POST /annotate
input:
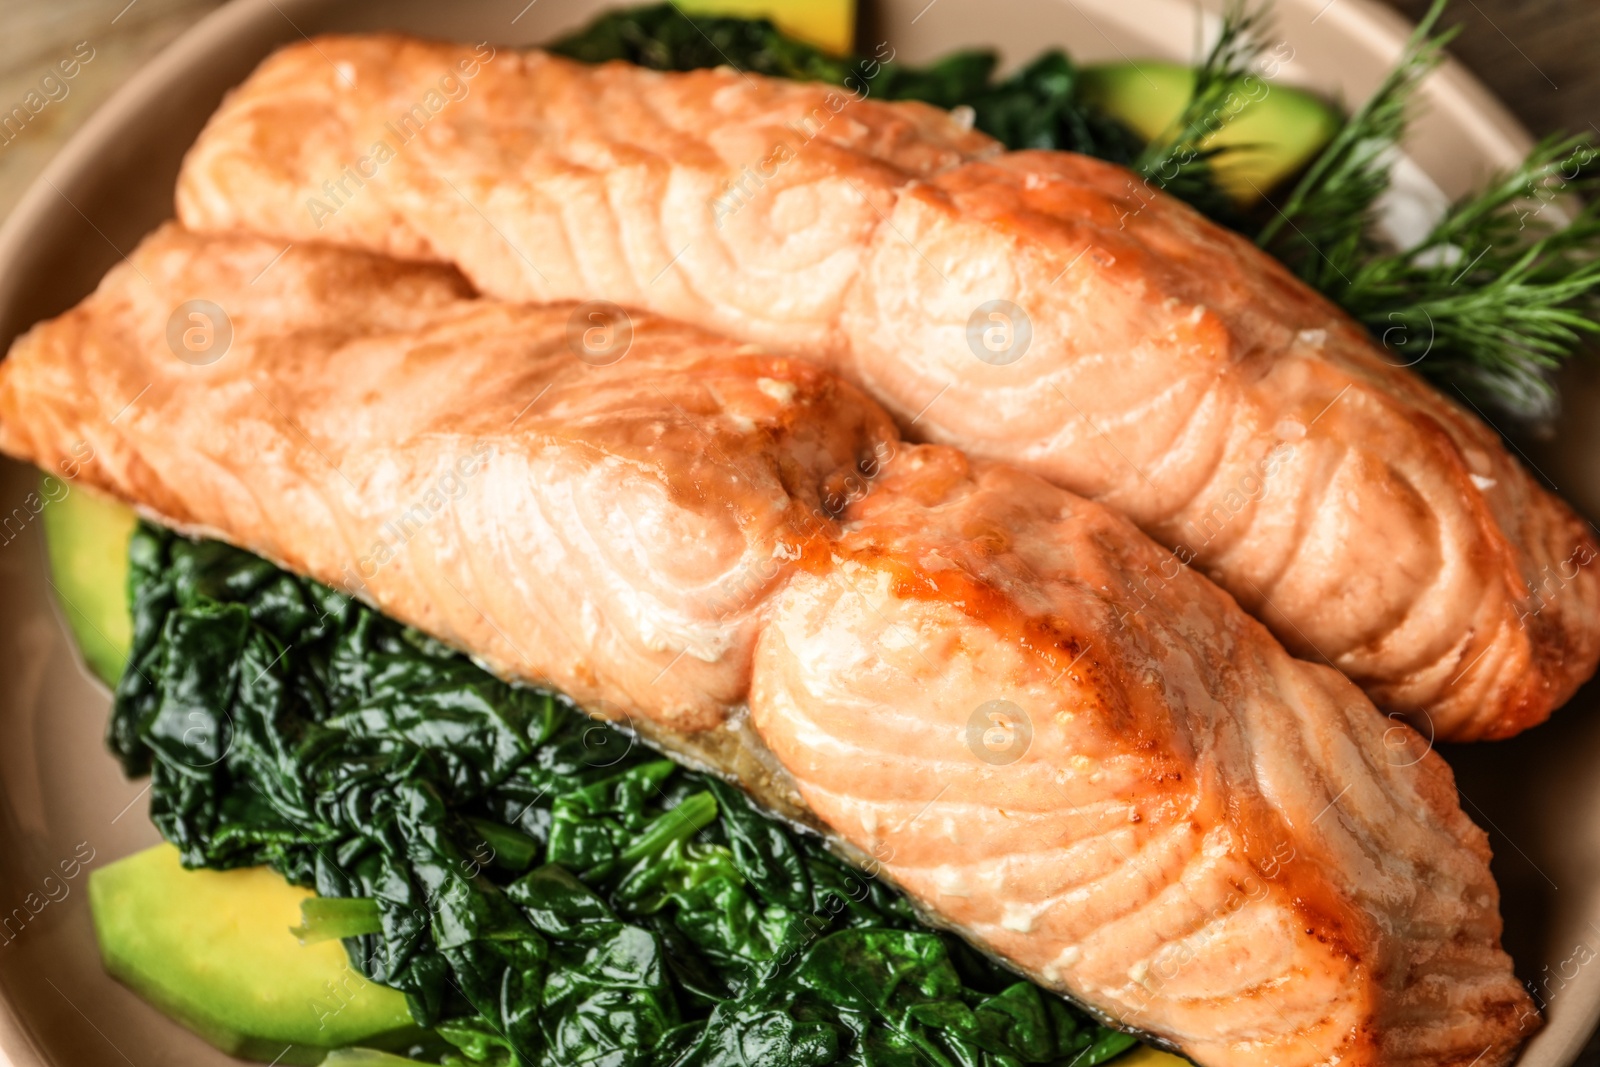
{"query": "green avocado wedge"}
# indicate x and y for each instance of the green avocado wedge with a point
(213, 950)
(1275, 131)
(87, 537)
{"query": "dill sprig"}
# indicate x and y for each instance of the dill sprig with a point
(1323, 229)
(1179, 161)
(1503, 287)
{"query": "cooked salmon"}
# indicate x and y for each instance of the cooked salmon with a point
(1038, 308)
(1061, 742)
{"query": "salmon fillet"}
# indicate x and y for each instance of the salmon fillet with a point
(1039, 308)
(1004, 698)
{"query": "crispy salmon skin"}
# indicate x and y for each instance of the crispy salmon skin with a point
(1038, 308)
(1061, 742)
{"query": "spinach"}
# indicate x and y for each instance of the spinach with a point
(543, 890)
(1037, 107)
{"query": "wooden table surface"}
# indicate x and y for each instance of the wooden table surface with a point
(1537, 55)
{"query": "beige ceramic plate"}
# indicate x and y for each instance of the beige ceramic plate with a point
(61, 794)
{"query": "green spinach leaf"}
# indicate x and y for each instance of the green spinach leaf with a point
(545, 891)
(1037, 107)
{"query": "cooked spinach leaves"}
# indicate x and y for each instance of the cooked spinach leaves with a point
(1037, 107)
(545, 891)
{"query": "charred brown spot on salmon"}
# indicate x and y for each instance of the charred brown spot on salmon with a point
(1044, 636)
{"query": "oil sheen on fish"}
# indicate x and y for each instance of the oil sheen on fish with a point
(1061, 742)
(1039, 308)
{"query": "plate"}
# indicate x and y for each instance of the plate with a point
(63, 797)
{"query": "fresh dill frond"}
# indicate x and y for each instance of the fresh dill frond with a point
(1179, 161)
(1503, 287)
(1323, 229)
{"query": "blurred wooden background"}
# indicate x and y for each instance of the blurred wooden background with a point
(1537, 55)
(41, 33)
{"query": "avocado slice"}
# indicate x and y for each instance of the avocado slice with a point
(828, 24)
(212, 949)
(87, 537)
(1145, 1056)
(367, 1057)
(1276, 131)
